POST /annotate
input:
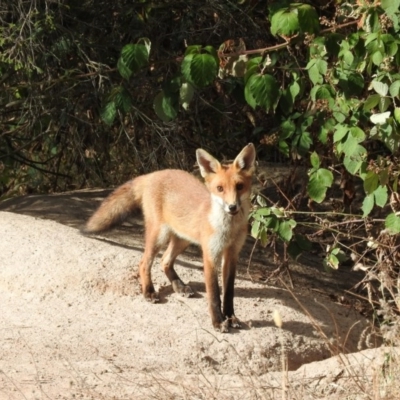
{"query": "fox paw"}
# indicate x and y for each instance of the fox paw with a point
(152, 297)
(182, 289)
(187, 292)
(234, 322)
(222, 327)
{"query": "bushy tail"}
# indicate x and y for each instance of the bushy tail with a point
(115, 208)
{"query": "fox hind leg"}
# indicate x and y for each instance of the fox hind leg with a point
(175, 247)
(152, 247)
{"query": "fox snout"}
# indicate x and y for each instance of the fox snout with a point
(233, 208)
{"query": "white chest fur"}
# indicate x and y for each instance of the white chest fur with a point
(227, 228)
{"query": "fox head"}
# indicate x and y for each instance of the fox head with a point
(229, 184)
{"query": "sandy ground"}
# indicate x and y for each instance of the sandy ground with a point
(73, 323)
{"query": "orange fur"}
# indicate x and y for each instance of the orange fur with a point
(179, 210)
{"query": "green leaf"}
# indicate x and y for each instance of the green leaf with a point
(314, 158)
(278, 211)
(287, 129)
(285, 230)
(349, 146)
(380, 88)
(348, 58)
(123, 69)
(210, 50)
(109, 113)
(262, 202)
(380, 119)
(203, 69)
(166, 107)
(371, 38)
(299, 244)
(314, 74)
(353, 162)
(263, 89)
(308, 19)
(340, 133)
(284, 148)
(391, 49)
(325, 92)
(255, 229)
(186, 94)
(339, 116)
(352, 83)
(248, 95)
(332, 261)
(317, 186)
(371, 182)
(394, 88)
(377, 58)
(391, 8)
(253, 66)
(355, 84)
(193, 49)
(272, 223)
(285, 22)
(392, 224)
(263, 211)
(351, 165)
(371, 102)
(357, 133)
(199, 69)
(133, 58)
(324, 177)
(304, 143)
(381, 196)
(384, 104)
(322, 66)
(323, 135)
(390, 137)
(316, 191)
(294, 90)
(263, 236)
(396, 114)
(368, 205)
(147, 43)
(339, 253)
(384, 175)
(121, 98)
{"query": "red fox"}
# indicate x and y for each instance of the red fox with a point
(179, 210)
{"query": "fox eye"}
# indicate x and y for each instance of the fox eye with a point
(239, 186)
(220, 188)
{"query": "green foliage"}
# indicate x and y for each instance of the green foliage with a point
(133, 58)
(298, 245)
(200, 65)
(392, 223)
(298, 18)
(262, 90)
(334, 257)
(166, 106)
(118, 100)
(271, 220)
(320, 180)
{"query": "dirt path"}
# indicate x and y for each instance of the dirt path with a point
(73, 322)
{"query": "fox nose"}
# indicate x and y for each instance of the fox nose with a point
(232, 208)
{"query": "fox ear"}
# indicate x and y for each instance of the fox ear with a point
(246, 158)
(207, 163)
